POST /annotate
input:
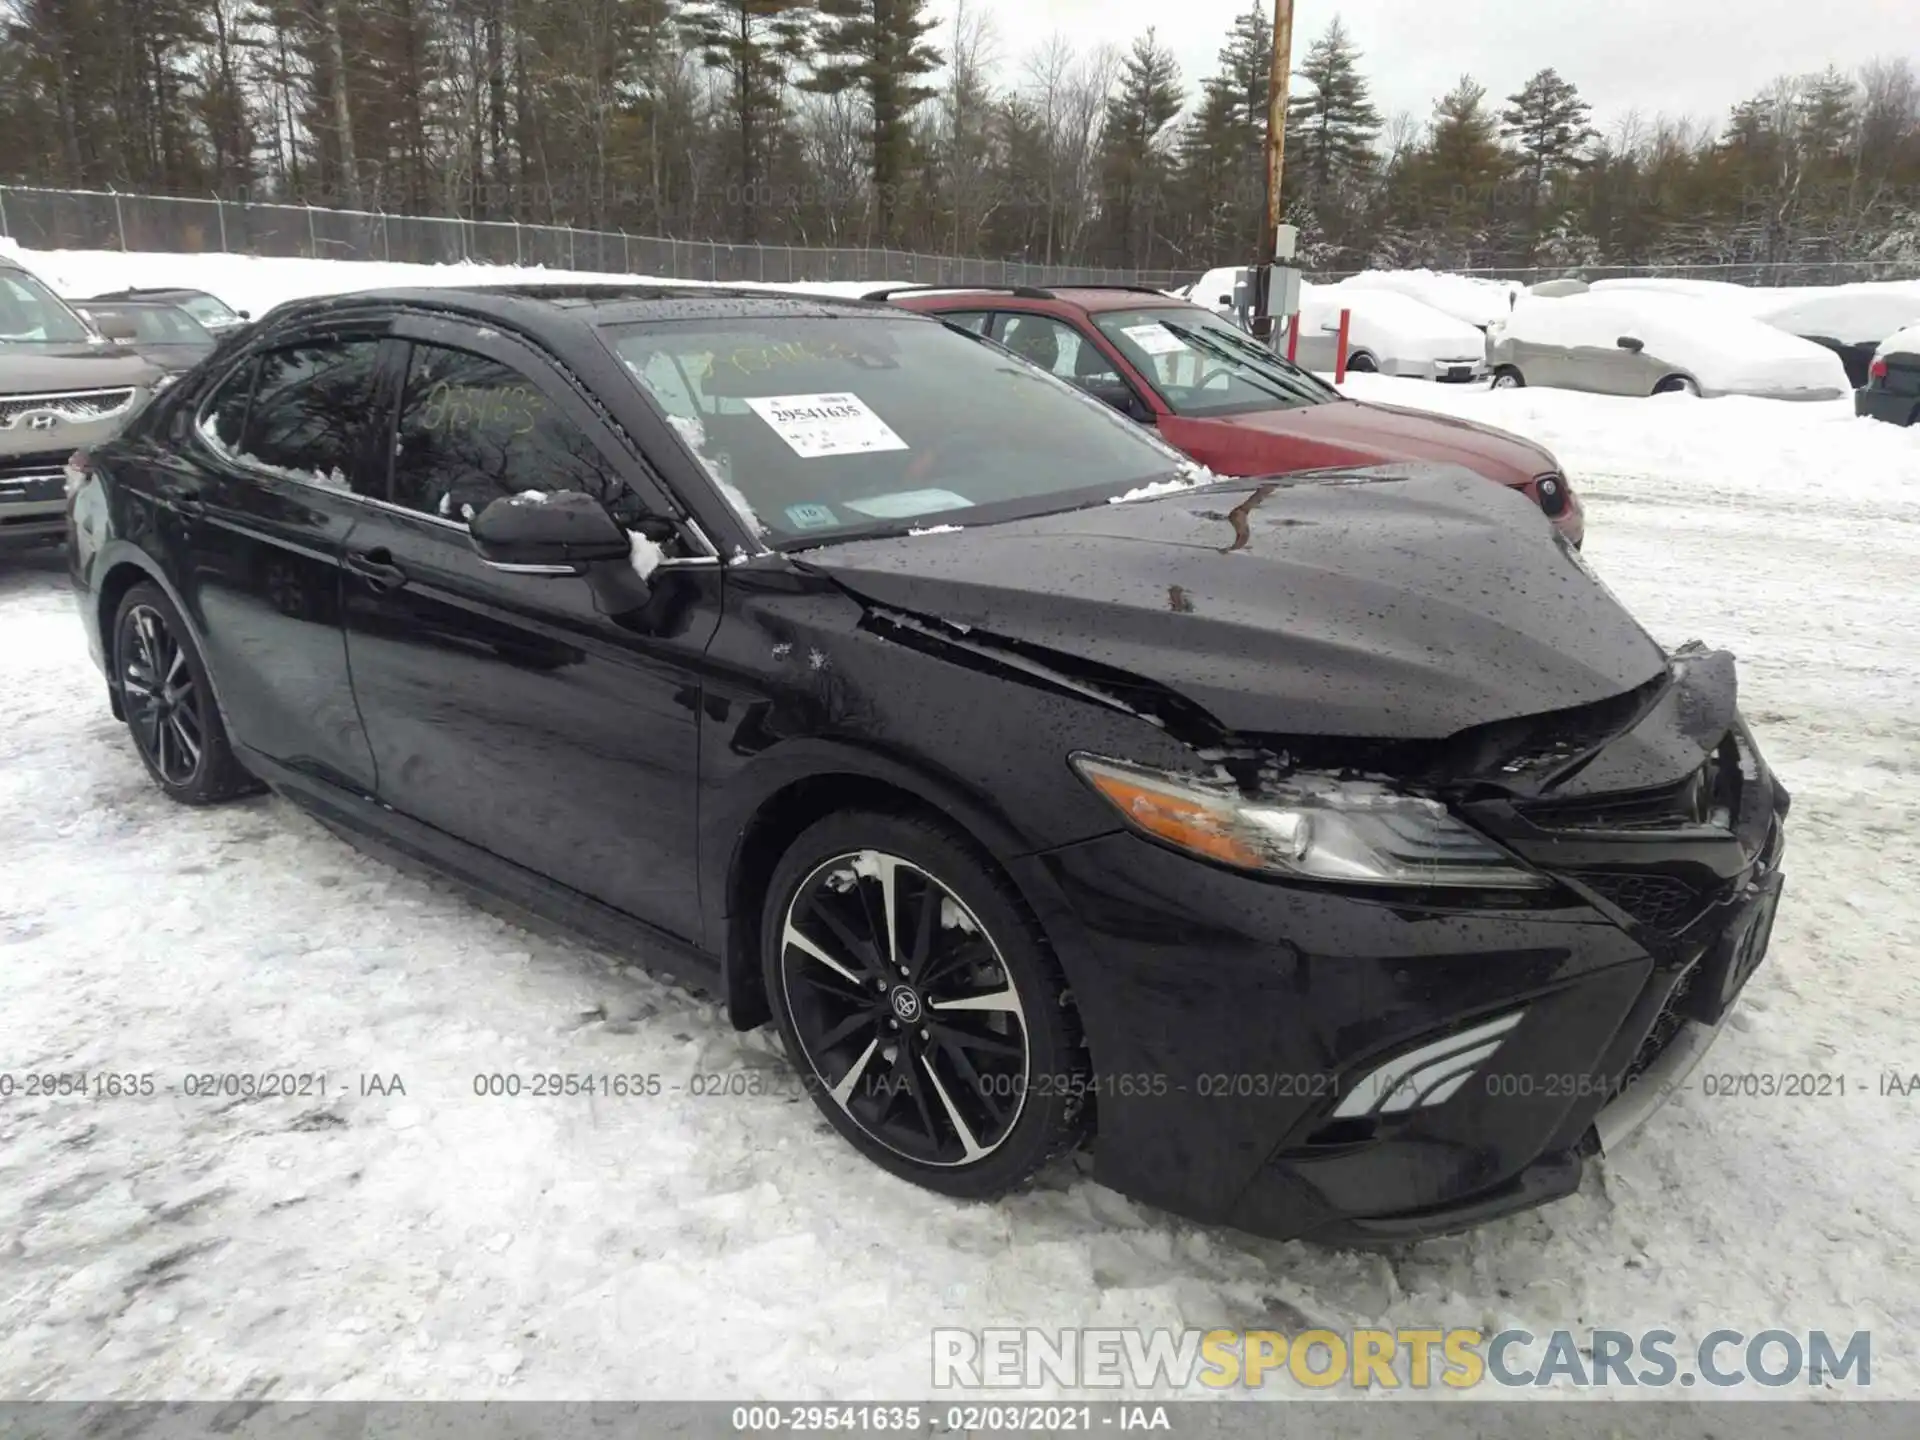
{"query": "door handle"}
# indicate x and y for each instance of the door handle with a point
(376, 567)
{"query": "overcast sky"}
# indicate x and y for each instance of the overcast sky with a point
(1680, 57)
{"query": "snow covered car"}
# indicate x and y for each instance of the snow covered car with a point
(1212, 390)
(1388, 332)
(1892, 391)
(1635, 342)
(1850, 320)
(62, 386)
(1471, 299)
(1043, 788)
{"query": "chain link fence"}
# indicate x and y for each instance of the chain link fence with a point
(109, 220)
(1753, 273)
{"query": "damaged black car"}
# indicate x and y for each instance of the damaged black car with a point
(1328, 856)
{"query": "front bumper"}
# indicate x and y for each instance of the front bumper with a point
(1302, 1062)
(33, 504)
(1461, 371)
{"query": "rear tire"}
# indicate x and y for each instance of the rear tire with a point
(1363, 364)
(164, 693)
(950, 1056)
(1508, 377)
(1677, 385)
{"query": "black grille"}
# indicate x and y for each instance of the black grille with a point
(33, 467)
(1666, 1025)
(1659, 902)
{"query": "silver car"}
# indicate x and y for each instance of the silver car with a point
(1630, 342)
(63, 387)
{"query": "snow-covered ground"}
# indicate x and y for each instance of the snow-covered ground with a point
(434, 1243)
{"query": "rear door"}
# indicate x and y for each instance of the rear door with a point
(263, 482)
(512, 711)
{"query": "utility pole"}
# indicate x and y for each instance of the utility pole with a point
(1270, 235)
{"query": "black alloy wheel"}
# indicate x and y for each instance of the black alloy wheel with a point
(921, 1009)
(168, 703)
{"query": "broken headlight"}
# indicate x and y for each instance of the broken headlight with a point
(1309, 827)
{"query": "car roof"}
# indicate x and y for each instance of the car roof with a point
(603, 303)
(148, 292)
(1090, 297)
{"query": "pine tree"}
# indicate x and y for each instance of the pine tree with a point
(1332, 127)
(879, 47)
(1134, 160)
(756, 44)
(1222, 165)
(1828, 113)
(1456, 175)
(1547, 121)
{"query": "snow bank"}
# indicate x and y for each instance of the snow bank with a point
(1472, 299)
(1721, 348)
(258, 283)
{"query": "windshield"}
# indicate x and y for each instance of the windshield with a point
(1201, 365)
(206, 309)
(30, 314)
(156, 324)
(821, 428)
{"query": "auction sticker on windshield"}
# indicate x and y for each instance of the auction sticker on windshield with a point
(1155, 339)
(820, 425)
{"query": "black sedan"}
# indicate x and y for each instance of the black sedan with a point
(1333, 855)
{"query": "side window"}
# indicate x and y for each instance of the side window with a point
(224, 418)
(310, 409)
(472, 430)
(1055, 346)
(974, 320)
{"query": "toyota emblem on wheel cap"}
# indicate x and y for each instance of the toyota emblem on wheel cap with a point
(906, 1004)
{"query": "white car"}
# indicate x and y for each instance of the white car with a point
(1470, 298)
(1388, 332)
(1643, 342)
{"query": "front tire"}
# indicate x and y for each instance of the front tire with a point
(1363, 364)
(919, 1002)
(168, 701)
(1508, 377)
(1677, 385)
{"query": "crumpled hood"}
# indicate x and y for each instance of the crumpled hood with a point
(54, 369)
(1400, 602)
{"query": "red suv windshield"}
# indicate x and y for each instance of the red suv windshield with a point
(1201, 365)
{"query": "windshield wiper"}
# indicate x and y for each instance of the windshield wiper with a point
(1280, 387)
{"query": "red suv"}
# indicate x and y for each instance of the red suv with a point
(1221, 396)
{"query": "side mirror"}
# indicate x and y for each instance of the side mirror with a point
(1226, 302)
(244, 314)
(1632, 343)
(116, 327)
(547, 534)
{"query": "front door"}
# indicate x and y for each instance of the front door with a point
(266, 495)
(510, 710)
